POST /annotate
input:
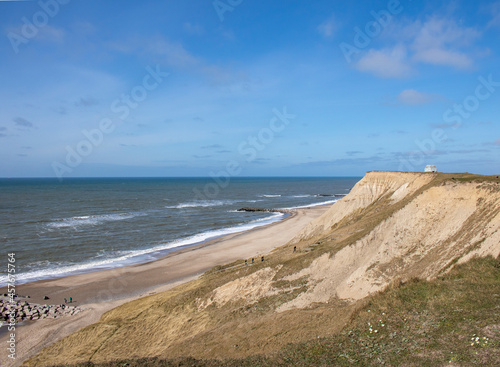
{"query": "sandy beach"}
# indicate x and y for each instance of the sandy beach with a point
(100, 291)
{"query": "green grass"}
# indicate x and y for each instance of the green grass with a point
(453, 320)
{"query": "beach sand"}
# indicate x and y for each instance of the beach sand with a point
(99, 292)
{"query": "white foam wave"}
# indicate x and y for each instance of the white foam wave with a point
(270, 219)
(89, 220)
(270, 196)
(200, 204)
(314, 204)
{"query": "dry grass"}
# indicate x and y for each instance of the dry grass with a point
(453, 320)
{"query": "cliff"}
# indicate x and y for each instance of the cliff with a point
(427, 223)
(391, 228)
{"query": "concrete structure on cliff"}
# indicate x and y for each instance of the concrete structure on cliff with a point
(430, 168)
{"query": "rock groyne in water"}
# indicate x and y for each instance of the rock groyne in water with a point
(284, 211)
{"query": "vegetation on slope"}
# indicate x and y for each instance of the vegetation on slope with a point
(453, 320)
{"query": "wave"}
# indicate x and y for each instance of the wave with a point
(329, 195)
(136, 256)
(314, 204)
(90, 220)
(269, 196)
(200, 204)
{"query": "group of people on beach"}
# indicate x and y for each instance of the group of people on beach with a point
(70, 300)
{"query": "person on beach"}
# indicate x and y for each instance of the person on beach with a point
(70, 300)
(262, 259)
(294, 248)
(65, 301)
(246, 263)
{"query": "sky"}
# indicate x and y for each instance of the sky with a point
(226, 88)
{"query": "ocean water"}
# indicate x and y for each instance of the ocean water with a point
(80, 225)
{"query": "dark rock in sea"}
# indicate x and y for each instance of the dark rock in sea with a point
(286, 211)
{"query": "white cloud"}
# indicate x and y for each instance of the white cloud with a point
(328, 28)
(439, 56)
(495, 15)
(194, 29)
(387, 63)
(46, 33)
(84, 28)
(439, 42)
(174, 54)
(51, 34)
(413, 97)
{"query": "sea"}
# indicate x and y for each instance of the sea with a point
(53, 229)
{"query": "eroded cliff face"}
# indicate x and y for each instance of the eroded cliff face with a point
(371, 188)
(435, 227)
(392, 227)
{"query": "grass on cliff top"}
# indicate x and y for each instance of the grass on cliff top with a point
(453, 320)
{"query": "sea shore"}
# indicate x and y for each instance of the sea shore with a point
(101, 291)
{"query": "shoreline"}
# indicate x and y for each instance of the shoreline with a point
(161, 253)
(100, 291)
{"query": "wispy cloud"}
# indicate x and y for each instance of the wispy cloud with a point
(440, 42)
(213, 146)
(413, 97)
(387, 63)
(51, 34)
(328, 28)
(446, 126)
(495, 15)
(436, 41)
(360, 161)
(174, 55)
(194, 29)
(353, 152)
(22, 122)
(86, 102)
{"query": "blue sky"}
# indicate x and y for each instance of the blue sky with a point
(248, 87)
